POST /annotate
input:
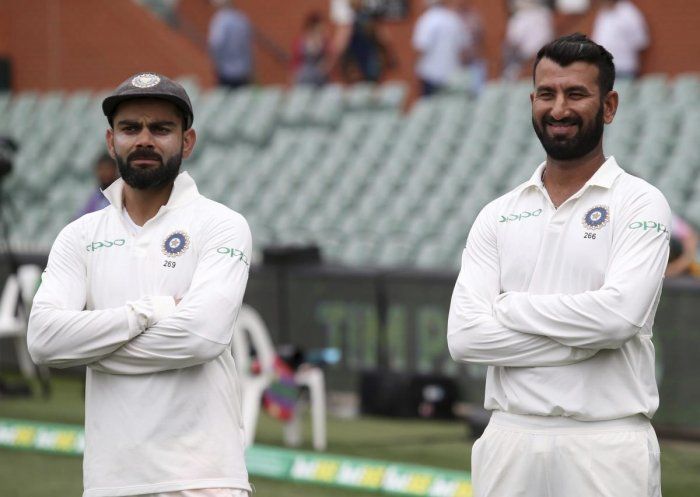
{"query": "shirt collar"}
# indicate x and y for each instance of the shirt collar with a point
(184, 191)
(536, 178)
(604, 177)
(606, 174)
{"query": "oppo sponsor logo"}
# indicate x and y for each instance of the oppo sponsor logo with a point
(92, 247)
(519, 217)
(649, 226)
(233, 253)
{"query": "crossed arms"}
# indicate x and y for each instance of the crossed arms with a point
(149, 335)
(519, 329)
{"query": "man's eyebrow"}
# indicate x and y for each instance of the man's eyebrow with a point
(127, 122)
(130, 122)
(544, 88)
(579, 88)
(162, 123)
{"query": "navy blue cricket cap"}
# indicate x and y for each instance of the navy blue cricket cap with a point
(150, 85)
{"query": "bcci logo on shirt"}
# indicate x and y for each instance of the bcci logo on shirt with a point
(175, 244)
(596, 217)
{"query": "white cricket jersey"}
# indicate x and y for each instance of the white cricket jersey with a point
(162, 401)
(560, 302)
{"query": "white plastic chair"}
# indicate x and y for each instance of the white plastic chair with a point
(250, 330)
(312, 378)
(13, 317)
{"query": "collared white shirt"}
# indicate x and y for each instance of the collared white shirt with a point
(560, 302)
(162, 402)
(440, 37)
(622, 30)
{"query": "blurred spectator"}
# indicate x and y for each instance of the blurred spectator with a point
(572, 7)
(530, 27)
(683, 246)
(473, 55)
(105, 173)
(230, 45)
(620, 27)
(367, 53)
(441, 40)
(165, 9)
(342, 16)
(310, 53)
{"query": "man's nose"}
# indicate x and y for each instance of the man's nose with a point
(560, 109)
(145, 138)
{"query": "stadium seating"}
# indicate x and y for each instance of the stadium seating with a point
(345, 167)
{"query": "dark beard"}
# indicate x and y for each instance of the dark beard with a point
(149, 179)
(580, 145)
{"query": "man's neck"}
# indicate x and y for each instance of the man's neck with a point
(562, 179)
(143, 205)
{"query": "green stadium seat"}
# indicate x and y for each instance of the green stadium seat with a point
(686, 90)
(226, 124)
(5, 97)
(360, 96)
(652, 90)
(297, 105)
(327, 108)
(461, 82)
(391, 95)
(262, 116)
(627, 91)
(692, 211)
(211, 104)
(194, 91)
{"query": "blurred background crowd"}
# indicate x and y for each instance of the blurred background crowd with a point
(350, 41)
(423, 47)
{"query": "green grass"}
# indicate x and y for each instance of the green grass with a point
(441, 444)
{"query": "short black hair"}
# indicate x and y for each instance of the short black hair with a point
(578, 47)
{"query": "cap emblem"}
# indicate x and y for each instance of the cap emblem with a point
(145, 80)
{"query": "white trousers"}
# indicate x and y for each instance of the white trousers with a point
(538, 456)
(204, 492)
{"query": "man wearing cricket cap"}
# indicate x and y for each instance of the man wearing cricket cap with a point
(145, 293)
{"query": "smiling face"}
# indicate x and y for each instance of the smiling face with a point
(568, 110)
(148, 142)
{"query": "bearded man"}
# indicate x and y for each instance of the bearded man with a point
(559, 285)
(145, 293)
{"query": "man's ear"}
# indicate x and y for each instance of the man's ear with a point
(189, 138)
(610, 103)
(109, 138)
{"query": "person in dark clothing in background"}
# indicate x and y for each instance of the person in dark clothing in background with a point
(105, 174)
(367, 54)
(230, 45)
(310, 53)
